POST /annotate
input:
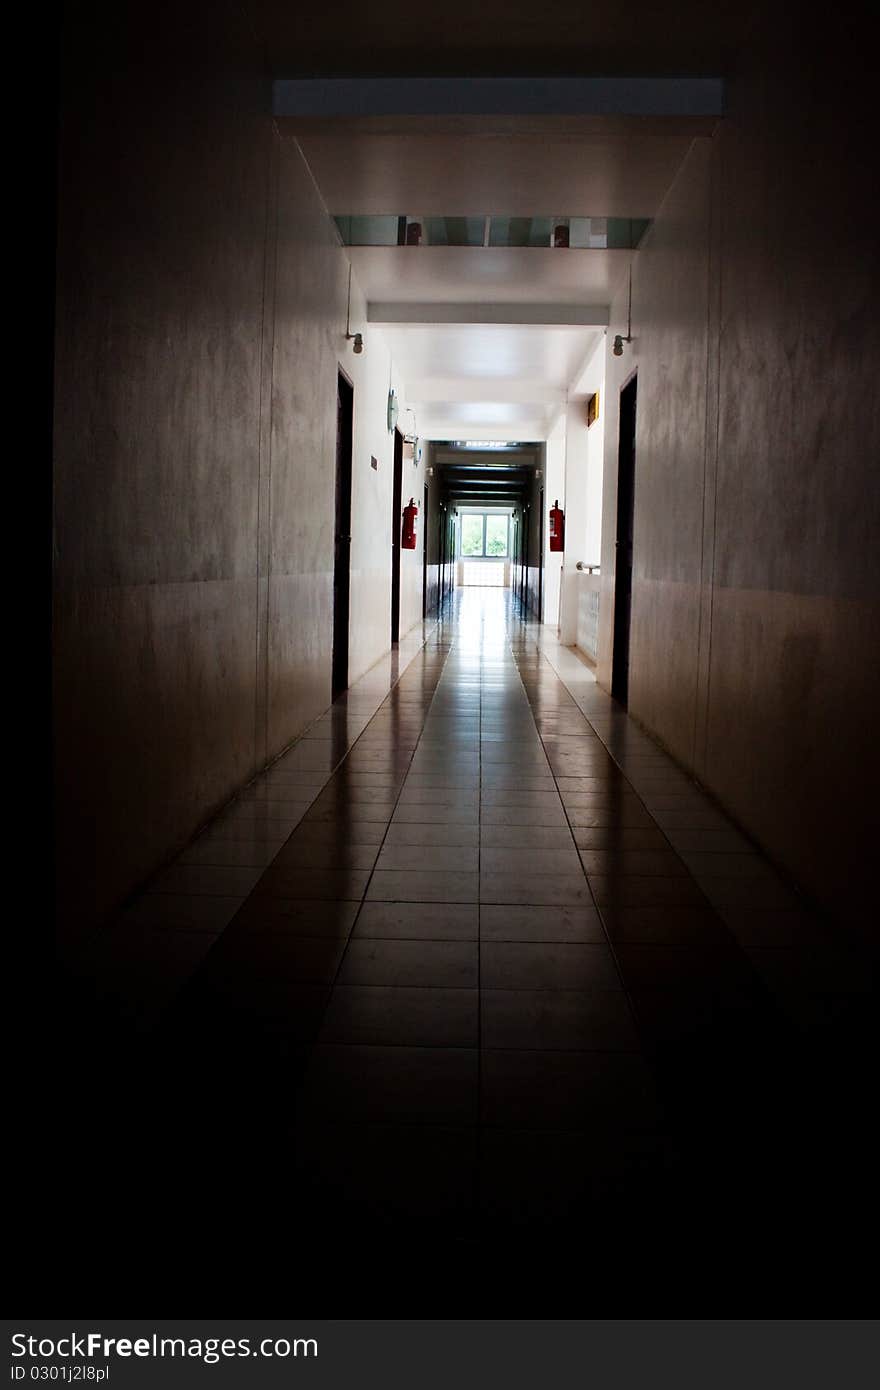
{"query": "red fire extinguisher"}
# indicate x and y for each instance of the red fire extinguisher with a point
(408, 539)
(557, 527)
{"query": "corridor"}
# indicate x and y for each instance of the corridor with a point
(556, 931)
(497, 972)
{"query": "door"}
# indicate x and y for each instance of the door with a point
(425, 557)
(342, 539)
(626, 472)
(396, 522)
(541, 562)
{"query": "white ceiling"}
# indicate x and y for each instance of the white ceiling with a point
(487, 381)
(493, 352)
(473, 379)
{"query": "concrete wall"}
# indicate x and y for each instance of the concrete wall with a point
(755, 324)
(200, 322)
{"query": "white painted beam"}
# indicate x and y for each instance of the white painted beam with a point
(440, 426)
(400, 313)
(498, 96)
(449, 390)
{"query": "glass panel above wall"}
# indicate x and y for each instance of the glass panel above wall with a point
(453, 231)
(368, 231)
(576, 233)
(521, 231)
(625, 233)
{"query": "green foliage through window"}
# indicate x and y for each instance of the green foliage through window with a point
(496, 535)
(471, 535)
(484, 535)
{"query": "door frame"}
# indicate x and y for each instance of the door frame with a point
(342, 532)
(396, 518)
(425, 557)
(624, 537)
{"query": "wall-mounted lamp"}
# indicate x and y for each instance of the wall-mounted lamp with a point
(619, 340)
(356, 338)
(413, 438)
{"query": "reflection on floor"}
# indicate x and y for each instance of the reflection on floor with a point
(476, 967)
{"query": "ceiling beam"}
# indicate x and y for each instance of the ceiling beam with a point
(453, 390)
(400, 313)
(498, 96)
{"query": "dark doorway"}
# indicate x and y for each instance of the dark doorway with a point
(342, 547)
(396, 518)
(425, 557)
(541, 562)
(626, 471)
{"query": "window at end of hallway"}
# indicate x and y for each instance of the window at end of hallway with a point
(484, 535)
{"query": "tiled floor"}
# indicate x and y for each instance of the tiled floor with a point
(476, 959)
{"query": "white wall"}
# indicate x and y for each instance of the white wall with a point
(373, 373)
(411, 561)
(584, 468)
(554, 456)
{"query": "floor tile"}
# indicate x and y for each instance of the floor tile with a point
(294, 882)
(338, 832)
(484, 947)
(175, 911)
(241, 853)
(426, 833)
(356, 1084)
(567, 1020)
(523, 815)
(540, 924)
(596, 1091)
(554, 1180)
(545, 965)
(537, 860)
(298, 916)
(648, 891)
(651, 863)
(532, 888)
(330, 854)
(525, 837)
(307, 960)
(369, 961)
(432, 857)
(206, 879)
(421, 921)
(388, 1176)
(411, 1017)
(423, 886)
